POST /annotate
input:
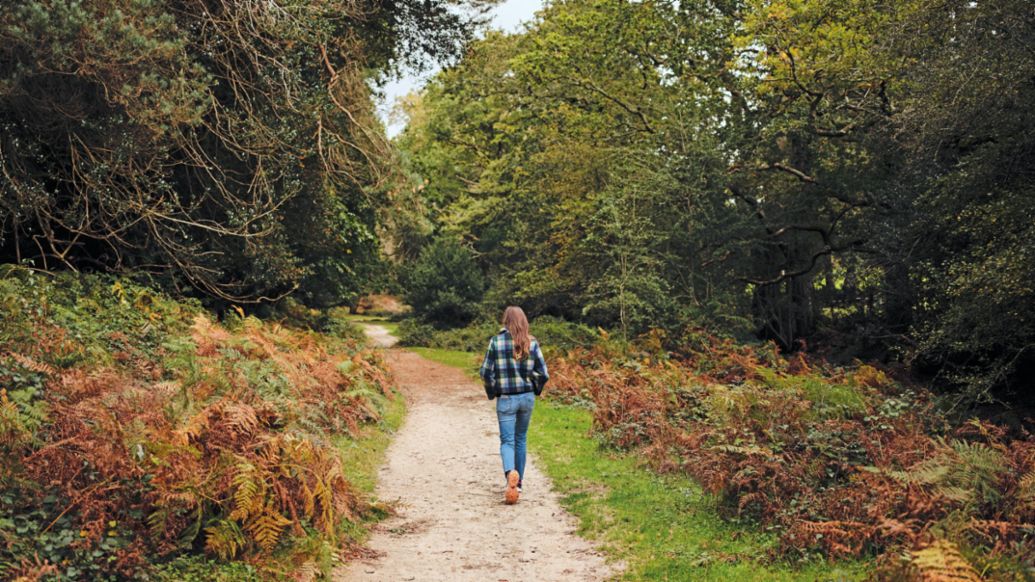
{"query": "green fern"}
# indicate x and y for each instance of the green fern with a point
(157, 520)
(249, 491)
(942, 562)
(1026, 489)
(372, 400)
(267, 528)
(961, 471)
(979, 468)
(225, 539)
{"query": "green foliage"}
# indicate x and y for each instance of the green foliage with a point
(592, 236)
(829, 400)
(472, 338)
(554, 334)
(337, 324)
(229, 149)
(334, 321)
(557, 335)
(445, 285)
(201, 569)
(797, 170)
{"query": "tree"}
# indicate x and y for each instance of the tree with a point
(852, 175)
(445, 285)
(228, 148)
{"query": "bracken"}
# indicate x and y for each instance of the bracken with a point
(841, 462)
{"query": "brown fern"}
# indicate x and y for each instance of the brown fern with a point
(31, 364)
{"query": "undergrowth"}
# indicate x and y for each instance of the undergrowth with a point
(554, 334)
(662, 527)
(836, 462)
(139, 438)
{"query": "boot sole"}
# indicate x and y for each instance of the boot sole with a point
(511, 495)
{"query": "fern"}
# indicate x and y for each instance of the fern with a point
(1026, 489)
(196, 426)
(962, 471)
(12, 429)
(325, 495)
(249, 492)
(185, 440)
(225, 539)
(32, 365)
(308, 572)
(21, 415)
(746, 450)
(929, 472)
(372, 401)
(978, 469)
(267, 528)
(942, 562)
(241, 418)
(157, 520)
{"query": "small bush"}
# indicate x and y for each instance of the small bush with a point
(471, 338)
(555, 335)
(336, 324)
(445, 285)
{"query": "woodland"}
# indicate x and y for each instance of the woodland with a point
(784, 247)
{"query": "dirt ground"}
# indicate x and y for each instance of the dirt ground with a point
(379, 336)
(443, 468)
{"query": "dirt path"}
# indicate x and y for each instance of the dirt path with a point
(444, 469)
(379, 335)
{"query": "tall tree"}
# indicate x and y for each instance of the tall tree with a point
(853, 175)
(228, 147)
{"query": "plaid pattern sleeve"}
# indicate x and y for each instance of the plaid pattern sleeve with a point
(488, 369)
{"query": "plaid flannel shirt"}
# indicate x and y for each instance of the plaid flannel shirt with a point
(502, 374)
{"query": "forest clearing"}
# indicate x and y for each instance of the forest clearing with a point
(777, 256)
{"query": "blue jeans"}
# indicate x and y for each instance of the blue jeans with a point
(514, 413)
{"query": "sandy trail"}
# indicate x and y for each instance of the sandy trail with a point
(443, 468)
(379, 335)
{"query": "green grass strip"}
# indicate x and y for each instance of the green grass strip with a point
(391, 326)
(363, 455)
(662, 527)
(466, 361)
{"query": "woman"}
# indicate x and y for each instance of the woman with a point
(514, 372)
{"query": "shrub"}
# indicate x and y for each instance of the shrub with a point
(554, 334)
(471, 338)
(838, 462)
(134, 429)
(444, 285)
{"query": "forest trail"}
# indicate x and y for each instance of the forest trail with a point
(379, 335)
(443, 468)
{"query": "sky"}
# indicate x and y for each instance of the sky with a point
(508, 16)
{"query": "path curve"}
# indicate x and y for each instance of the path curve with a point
(443, 468)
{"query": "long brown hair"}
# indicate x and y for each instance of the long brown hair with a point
(517, 324)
